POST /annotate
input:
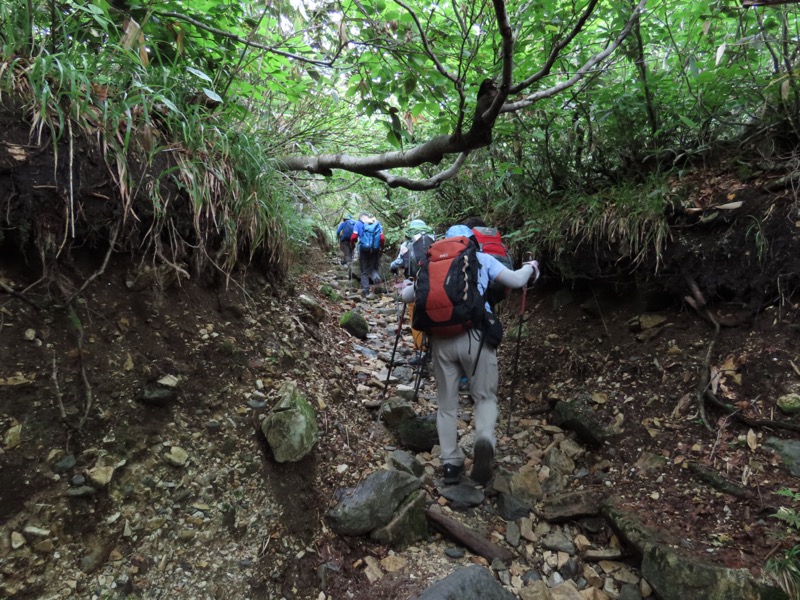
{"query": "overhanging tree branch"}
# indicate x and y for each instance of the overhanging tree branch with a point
(421, 185)
(431, 152)
(584, 70)
(439, 66)
(558, 47)
(491, 102)
(251, 43)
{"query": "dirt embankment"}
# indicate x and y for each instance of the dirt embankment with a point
(72, 375)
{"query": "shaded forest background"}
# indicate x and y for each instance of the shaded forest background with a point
(166, 133)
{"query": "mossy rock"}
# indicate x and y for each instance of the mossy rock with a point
(330, 293)
(355, 323)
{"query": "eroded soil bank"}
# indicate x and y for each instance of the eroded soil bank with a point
(642, 345)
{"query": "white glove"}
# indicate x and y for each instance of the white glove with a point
(534, 264)
(403, 284)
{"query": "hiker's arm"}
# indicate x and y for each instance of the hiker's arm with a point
(515, 279)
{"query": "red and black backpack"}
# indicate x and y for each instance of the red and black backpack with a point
(447, 299)
(490, 242)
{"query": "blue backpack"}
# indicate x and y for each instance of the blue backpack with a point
(346, 229)
(370, 239)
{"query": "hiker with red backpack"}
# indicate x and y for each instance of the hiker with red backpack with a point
(369, 235)
(451, 308)
(490, 242)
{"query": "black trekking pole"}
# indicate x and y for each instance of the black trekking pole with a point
(516, 358)
(350, 271)
(422, 360)
(394, 351)
(350, 274)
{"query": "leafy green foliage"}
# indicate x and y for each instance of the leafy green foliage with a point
(176, 79)
(202, 118)
(787, 567)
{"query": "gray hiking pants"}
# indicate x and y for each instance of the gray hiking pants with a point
(347, 251)
(370, 265)
(451, 358)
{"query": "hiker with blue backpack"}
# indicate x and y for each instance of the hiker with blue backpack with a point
(369, 235)
(451, 308)
(343, 234)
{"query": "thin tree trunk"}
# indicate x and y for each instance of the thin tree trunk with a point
(641, 66)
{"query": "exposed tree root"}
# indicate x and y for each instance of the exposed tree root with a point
(111, 244)
(735, 414)
(57, 389)
(9, 290)
(698, 302)
(76, 322)
(704, 393)
(89, 402)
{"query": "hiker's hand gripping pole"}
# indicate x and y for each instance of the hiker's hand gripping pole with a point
(528, 258)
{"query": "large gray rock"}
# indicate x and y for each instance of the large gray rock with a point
(471, 583)
(408, 525)
(157, 396)
(372, 503)
(313, 308)
(676, 577)
(789, 451)
(418, 433)
(579, 417)
(403, 461)
(396, 410)
(510, 508)
(463, 496)
(291, 427)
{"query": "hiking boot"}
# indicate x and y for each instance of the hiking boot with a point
(484, 456)
(366, 294)
(453, 473)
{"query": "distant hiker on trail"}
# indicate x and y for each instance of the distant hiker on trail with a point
(343, 233)
(464, 335)
(490, 242)
(369, 235)
(419, 237)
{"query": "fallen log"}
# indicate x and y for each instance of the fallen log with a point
(467, 537)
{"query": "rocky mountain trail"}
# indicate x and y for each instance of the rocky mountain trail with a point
(171, 490)
(571, 483)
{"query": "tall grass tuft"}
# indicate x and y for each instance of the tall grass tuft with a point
(192, 187)
(628, 222)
